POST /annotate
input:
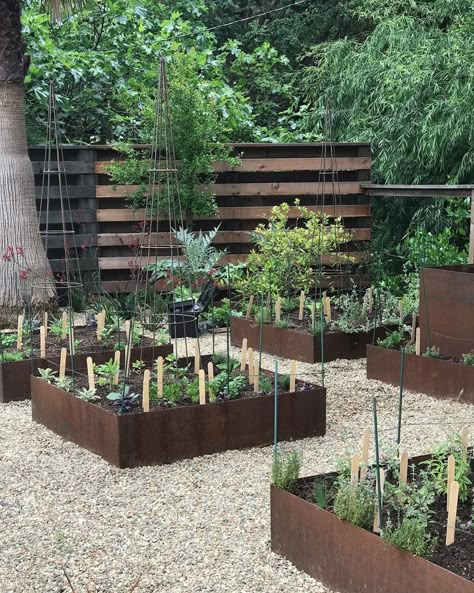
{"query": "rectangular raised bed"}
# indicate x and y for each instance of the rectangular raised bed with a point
(347, 558)
(15, 376)
(301, 345)
(447, 316)
(434, 376)
(164, 436)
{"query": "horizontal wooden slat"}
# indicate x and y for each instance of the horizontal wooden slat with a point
(229, 213)
(226, 237)
(123, 263)
(277, 164)
(73, 192)
(71, 167)
(418, 191)
(304, 188)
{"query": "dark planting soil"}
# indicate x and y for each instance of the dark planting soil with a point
(87, 337)
(135, 383)
(457, 558)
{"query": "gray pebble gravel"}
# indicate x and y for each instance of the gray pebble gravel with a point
(201, 525)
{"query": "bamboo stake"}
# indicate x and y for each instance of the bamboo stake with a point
(197, 357)
(452, 512)
(301, 310)
(278, 310)
(377, 516)
(403, 468)
(90, 373)
(370, 299)
(249, 306)
(45, 323)
(256, 381)
(355, 469)
(243, 359)
(365, 454)
(293, 376)
(64, 326)
(19, 335)
(42, 342)
(146, 390)
(210, 375)
(413, 329)
(202, 387)
(62, 363)
(418, 342)
(251, 371)
(451, 476)
(117, 362)
(159, 376)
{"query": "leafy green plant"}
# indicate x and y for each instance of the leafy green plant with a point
(283, 324)
(172, 392)
(88, 394)
(265, 384)
(432, 352)
(138, 365)
(56, 327)
(410, 534)
(13, 356)
(124, 398)
(192, 389)
(284, 382)
(108, 371)
(320, 493)
(410, 349)
(468, 358)
(285, 471)
(393, 340)
(355, 503)
(48, 375)
(64, 383)
(7, 340)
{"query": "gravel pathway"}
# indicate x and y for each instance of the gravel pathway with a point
(201, 525)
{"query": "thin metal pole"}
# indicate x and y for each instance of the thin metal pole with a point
(322, 341)
(377, 463)
(260, 338)
(275, 412)
(400, 397)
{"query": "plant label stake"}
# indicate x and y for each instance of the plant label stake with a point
(403, 468)
(42, 342)
(146, 390)
(418, 342)
(256, 381)
(313, 312)
(202, 387)
(45, 323)
(210, 374)
(127, 329)
(365, 454)
(72, 350)
(377, 515)
(278, 310)
(400, 308)
(451, 475)
(100, 324)
(90, 372)
(370, 299)
(251, 371)
(197, 358)
(159, 375)
(293, 376)
(413, 329)
(355, 464)
(117, 362)
(327, 314)
(464, 438)
(62, 363)
(128, 354)
(249, 306)
(19, 335)
(64, 326)
(452, 512)
(243, 359)
(301, 310)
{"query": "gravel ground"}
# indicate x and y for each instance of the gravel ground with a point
(201, 525)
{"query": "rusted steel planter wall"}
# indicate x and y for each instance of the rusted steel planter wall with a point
(164, 436)
(347, 558)
(447, 317)
(15, 376)
(440, 378)
(302, 346)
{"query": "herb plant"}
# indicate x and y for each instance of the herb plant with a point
(285, 471)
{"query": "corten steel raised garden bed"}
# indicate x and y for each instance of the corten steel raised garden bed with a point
(301, 345)
(347, 558)
(447, 317)
(166, 435)
(15, 376)
(440, 378)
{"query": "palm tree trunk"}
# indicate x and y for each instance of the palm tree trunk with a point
(24, 268)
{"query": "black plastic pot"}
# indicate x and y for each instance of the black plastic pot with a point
(183, 319)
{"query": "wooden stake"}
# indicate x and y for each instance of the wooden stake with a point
(90, 373)
(127, 329)
(159, 375)
(418, 342)
(202, 387)
(471, 232)
(210, 375)
(328, 309)
(42, 342)
(146, 390)
(249, 306)
(278, 310)
(19, 335)
(256, 370)
(365, 454)
(117, 361)
(452, 512)
(400, 308)
(251, 371)
(301, 311)
(377, 518)
(355, 469)
(128, 354)
(197, 357)
(451, 476)
(45, 323)
(403, 468)
(293, 376)
(71, 342)
(313, 313)
(413, 329)
(62, 363)
(243, 359)
(464, 439)
(100, 324)
(64, 326)
(370, 299)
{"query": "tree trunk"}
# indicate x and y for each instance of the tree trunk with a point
(24, 268)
